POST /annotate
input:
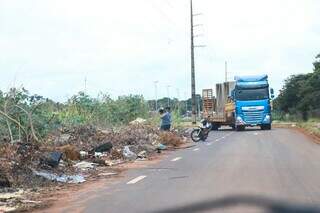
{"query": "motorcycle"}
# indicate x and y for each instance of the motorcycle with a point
(201, 132)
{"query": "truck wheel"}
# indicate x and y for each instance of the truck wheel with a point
(214, 127)
(266, 127)
(240, 128)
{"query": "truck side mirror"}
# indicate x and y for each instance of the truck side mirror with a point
(232, 94)
(272, 92)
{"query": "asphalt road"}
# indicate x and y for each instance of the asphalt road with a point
(250, 171)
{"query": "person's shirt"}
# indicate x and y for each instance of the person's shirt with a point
(165, 119)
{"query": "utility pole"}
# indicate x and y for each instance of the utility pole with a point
(156, 93)
(178, 99)
(225, 71)
(198, 106)
(193, 81)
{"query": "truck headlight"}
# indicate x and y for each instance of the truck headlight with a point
(267, 118)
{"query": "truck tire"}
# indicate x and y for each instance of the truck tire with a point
(214, 127)
(266, 127)
(240, 128)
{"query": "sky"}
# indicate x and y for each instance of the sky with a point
(56, 48)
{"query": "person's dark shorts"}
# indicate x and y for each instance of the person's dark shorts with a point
(165, 127)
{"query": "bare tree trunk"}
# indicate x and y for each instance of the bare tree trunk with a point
(14, 121)
(33, 132)
(7, 121)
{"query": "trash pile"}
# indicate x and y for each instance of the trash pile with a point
(73, 155)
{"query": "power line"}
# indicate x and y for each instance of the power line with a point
(161, 12)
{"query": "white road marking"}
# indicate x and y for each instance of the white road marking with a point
(208, 144)
(196, 149)
(176, 159)
(223, 137)
(255, 133)
(137, 179)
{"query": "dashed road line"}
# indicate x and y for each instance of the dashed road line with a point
(196, 149)
(176, 159)
(223, 137)
(137, 179)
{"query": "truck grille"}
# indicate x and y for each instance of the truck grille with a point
(253, 117)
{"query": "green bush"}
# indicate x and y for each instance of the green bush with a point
(25, 116)
(300, 95)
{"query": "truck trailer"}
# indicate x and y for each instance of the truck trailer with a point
(240, 103)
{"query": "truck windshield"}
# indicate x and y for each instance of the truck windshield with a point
(252, 94)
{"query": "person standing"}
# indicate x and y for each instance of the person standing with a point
(165, 120)
(168, 110)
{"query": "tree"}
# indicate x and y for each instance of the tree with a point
(301, 93)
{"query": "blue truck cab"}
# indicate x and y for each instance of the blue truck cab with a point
(251, 97)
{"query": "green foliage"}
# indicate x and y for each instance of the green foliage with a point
(40, 116)
(301, 93)
(82, 109)
(177, 105)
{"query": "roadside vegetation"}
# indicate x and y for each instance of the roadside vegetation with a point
(46, 144)
(27, 117)
(299, 100)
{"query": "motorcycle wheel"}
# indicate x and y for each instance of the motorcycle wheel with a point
(196, 135)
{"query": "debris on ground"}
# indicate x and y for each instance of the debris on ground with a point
(160, 146)
(76, 154)
(83, 154)
(138, 121)
(84, 165)
(170, 138)
(9, 198)
(128, 154)
(70, 152)
(60, 178)
(113, 162)
(51, 159)
(108, 174)
(142, 154)
(105, 147)
(4, 181)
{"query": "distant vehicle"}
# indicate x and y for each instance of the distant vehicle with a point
(240, 103)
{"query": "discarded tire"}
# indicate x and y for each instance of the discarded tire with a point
(106, 147)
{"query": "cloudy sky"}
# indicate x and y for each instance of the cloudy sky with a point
(51, 46)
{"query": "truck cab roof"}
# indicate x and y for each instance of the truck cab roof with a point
(251, 78)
